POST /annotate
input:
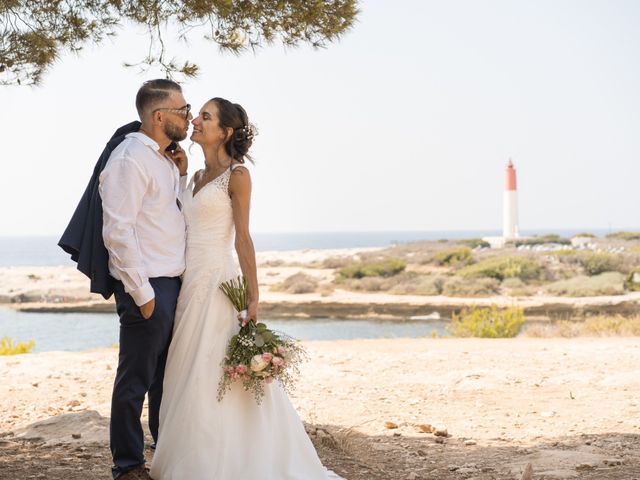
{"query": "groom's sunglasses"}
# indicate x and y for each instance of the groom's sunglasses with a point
(184, 111)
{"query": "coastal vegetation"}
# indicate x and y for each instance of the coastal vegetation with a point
(597, 326)
(545, 265)
(298, 283)
(488, 322)
(7, 347)
(630, 236)
(387, 267)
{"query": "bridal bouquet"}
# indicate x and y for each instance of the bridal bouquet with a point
(257, 355)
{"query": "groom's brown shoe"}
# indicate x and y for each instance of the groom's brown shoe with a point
(137, 473)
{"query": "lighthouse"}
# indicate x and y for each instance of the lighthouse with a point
(510, 206)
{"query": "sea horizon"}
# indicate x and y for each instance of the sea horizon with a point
(42, 250)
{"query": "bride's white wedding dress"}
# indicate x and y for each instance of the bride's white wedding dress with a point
(201, 438)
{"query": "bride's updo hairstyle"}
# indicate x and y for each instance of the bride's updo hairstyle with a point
(232, 115)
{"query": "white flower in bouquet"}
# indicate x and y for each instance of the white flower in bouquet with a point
(258, 363)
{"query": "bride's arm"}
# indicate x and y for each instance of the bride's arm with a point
(240, 191)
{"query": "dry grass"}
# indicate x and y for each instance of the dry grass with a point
(610, 283)
(600, 326)
(297, 283)
(470, 287)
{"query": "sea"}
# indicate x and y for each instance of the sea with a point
(43, 250)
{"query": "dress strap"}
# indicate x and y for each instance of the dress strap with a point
(236, 165)
(193, 179)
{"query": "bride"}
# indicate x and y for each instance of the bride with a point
(199, 437)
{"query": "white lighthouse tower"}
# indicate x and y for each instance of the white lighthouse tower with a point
(510, 228)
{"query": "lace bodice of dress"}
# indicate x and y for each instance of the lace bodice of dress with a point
(209, 218)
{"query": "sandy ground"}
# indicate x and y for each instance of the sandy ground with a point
(570, 407)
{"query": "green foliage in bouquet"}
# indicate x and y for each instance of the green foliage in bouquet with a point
(7, 347)
(488, 322)
(257, 355)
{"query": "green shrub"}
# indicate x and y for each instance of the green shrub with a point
(585, 235)
(624, 235)
(382, 268)
(470, 287)
(633, 280)
(488, 322)
(475, 243)
(503, 267)
(420, 285)
(514, 287)
(597, 263)
(563, 252)
(454, 256)
(337, 262)
(543, 239)
(610, 283)
(7, 347)
(298, 283)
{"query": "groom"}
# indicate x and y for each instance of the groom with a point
(144, 234)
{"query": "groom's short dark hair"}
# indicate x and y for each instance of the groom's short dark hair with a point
(152, 92)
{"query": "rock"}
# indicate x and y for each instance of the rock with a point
(412, 476)
(469, 443)
(612, 462)
(73, 403)
(390, 425)
(60, 429)
(424, 428)
(397, 434)
(422, 453)
(440, 431)
(76, 435)
(528, 472)
(585, 466)
(439, 440)
(466, 470)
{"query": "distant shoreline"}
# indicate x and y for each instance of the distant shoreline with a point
(42, 250)
(63, 289)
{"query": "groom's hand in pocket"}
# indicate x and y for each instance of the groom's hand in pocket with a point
(147, 309)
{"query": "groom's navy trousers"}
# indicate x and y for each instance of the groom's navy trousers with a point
(143, 353)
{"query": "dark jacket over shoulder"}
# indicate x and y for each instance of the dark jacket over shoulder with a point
(82, 238)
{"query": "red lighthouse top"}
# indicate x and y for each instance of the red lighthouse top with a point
(510, 179)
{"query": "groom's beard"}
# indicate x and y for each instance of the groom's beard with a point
(174, 133)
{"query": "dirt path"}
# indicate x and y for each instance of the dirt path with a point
(571, 408)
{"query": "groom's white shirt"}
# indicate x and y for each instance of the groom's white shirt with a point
(143, 228)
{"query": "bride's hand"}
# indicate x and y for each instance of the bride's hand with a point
(252, 311)
(179, 157)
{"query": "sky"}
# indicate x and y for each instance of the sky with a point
(406, 123)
